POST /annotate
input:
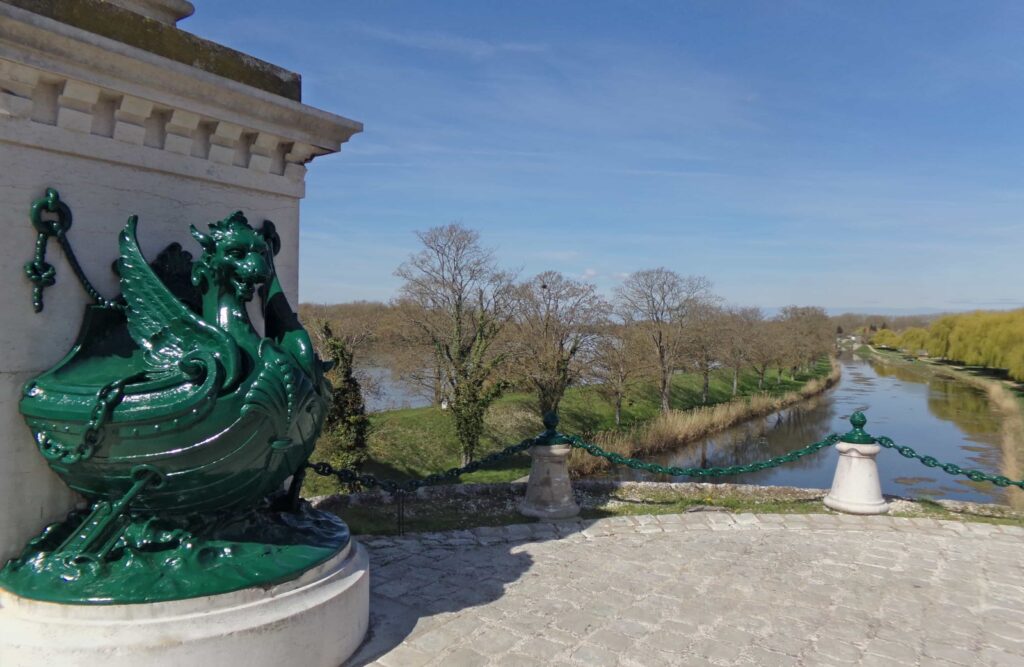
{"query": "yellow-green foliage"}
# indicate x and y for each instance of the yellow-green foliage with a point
(886, 338)
(913, 340)
(993, 339)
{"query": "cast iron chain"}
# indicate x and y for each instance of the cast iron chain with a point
(949, 468)
(715, 471)
(107, 398)
(41, 273)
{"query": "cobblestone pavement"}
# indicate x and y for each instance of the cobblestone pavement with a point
(699, 589)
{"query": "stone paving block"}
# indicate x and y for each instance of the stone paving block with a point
(720, 521)
(590, 654)
(649, 528)
(612, 640)
(716, 651)
(404, 656)
(958, 655)
(578, 623)
(746, 519)
(541, 648)
(764, 658)
(998, 658)
(518, 531)
(464, 657)
(838, 651)
(519, 660)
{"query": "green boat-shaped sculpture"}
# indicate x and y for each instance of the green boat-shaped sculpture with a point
(217, 414)
(180, 424)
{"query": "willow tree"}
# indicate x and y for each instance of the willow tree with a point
(459, 302)
(557, 322)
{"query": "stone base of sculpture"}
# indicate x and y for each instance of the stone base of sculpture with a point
(316, 620)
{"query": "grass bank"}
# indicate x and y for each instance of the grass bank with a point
(415, 442)
(1005, 396)
(672, 430)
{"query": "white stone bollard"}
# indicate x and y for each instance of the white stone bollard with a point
(856, 488)
(549, 492)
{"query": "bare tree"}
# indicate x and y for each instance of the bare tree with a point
(739, 331)
(616, 364)
(335, 329)
(459, 302)
(415, 360)
(657, 302)
(556, 324)
(807, 335)
(763, 350)
(703, 341)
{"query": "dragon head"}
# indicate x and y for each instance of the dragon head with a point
(234, 257)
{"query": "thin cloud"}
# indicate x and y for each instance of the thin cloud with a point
(471, 47)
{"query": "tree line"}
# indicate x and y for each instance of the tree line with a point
(991, 339)
(465, 331)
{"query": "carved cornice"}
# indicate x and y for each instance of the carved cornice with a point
(56, 79)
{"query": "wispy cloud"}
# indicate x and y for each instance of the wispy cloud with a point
(471, 47)
(557, 255)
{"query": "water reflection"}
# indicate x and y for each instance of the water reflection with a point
(948, 419)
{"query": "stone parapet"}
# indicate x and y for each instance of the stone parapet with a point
(150, 25)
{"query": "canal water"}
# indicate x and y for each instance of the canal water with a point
(943, 417)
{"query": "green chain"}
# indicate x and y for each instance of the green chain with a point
(41, 273)
(107, 398)
(673, 471)
(950, 468)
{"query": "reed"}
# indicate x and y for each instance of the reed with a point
(676, 428)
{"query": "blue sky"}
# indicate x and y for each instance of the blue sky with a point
(858, 156)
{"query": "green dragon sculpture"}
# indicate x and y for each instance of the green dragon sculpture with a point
(180, 424)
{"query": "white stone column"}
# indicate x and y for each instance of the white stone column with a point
(856, 488)
(549, 492)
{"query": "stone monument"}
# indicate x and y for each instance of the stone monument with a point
(167, 435)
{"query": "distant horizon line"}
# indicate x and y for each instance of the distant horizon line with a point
(772, 310)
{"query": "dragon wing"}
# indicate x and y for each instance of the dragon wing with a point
(167, 331)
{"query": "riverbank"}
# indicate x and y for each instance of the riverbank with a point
(676, 429)
(415, 442)
(1005, 396)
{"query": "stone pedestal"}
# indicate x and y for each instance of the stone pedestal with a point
(856, 488)
(549, 492)
(317, 620)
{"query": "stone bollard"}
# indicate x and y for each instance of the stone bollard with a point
(549, 492)
(856, 488)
